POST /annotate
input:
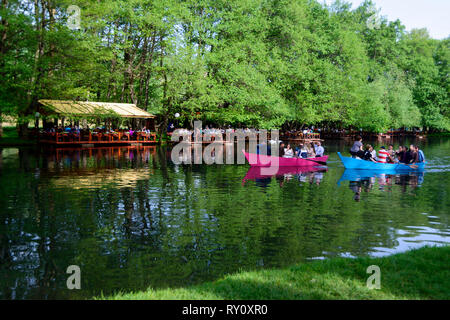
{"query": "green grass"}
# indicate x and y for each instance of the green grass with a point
(11, 138)
(417, 274)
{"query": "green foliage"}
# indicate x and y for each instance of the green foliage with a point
(255, 63)
(427, 65)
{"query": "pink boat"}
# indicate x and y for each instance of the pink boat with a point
(259, 160)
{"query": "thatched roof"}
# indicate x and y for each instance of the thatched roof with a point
(88, 108)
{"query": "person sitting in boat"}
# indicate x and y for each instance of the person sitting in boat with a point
(400, 154)
(311, 151)
(420, 154)
(302, 152)
(357, 148)
(383, 155)
(414, 155)
(288, 152)
(391, 151)
(408, 155)
(281, 150)
(368, 155)
(373, 152)
(319, 149)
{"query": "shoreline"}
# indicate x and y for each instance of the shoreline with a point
(412, 275)
(12, 140)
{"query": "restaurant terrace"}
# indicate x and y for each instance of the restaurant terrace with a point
(67, 122)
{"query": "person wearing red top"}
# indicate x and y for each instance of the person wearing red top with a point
(383, 155)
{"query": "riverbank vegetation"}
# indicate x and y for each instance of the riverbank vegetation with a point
(260, 63)
(417, 274)
(10, 137)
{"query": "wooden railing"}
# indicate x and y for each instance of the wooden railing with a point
(96, 137)
(301, 135)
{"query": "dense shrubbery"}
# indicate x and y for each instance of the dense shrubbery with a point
(257, 63)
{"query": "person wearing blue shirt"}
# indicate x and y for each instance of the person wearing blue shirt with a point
(301, 151)
(421, 155)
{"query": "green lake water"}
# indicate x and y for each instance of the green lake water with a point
(131, 219)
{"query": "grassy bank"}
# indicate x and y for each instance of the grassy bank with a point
(11, 138)
(417, 274)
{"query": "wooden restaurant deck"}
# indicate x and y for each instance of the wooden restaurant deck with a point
(55, 112)
(93, 138)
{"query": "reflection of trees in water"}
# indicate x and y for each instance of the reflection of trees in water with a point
(180, 225)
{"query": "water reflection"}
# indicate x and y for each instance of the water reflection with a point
(302, 174)
(132, 219)
(96, 167)
(365, 180)
(98, 157)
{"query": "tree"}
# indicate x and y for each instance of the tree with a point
(261, 63)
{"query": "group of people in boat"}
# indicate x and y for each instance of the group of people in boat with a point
(404, 155)
(304, 150)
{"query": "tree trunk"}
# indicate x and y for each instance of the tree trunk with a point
(111, 82)
(33, 91)
(166, 101)
(4, 24)
(141, 66)
(150, 61)
(51, 14)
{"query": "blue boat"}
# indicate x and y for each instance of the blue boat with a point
(353, 163)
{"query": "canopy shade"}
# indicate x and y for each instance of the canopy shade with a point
(88, 108)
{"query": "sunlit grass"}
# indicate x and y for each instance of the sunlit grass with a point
(417, 274)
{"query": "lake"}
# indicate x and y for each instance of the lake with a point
(131, 219)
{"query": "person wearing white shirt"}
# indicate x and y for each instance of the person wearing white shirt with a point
(288, 152)
(319, 149)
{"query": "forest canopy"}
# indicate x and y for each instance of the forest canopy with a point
(259, 63)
